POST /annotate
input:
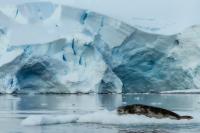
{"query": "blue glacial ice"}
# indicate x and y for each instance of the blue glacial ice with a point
(52, 48)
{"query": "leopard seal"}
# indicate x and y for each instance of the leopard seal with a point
(150, 111)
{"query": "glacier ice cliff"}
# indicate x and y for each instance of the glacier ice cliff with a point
(52, 48)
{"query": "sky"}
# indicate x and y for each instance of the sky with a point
(175, 13)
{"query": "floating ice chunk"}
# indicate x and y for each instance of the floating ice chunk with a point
(48, 120)
(190, 91)
(104, 117)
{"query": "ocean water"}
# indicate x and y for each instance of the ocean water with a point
(96, 113)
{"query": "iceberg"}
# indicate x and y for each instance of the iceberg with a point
(53, 48)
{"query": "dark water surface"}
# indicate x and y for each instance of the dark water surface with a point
(13, 109)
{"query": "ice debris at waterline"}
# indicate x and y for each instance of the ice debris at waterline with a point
(103, 117)
(52, 48)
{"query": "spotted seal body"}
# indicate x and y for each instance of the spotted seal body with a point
(150, 111)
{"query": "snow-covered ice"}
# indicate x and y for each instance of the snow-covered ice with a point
(104, 117)
(155, 16)
(54, 48)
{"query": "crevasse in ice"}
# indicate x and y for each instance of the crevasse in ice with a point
(51, 48)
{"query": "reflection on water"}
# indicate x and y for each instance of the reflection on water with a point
(15, 108)
(174, 101)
